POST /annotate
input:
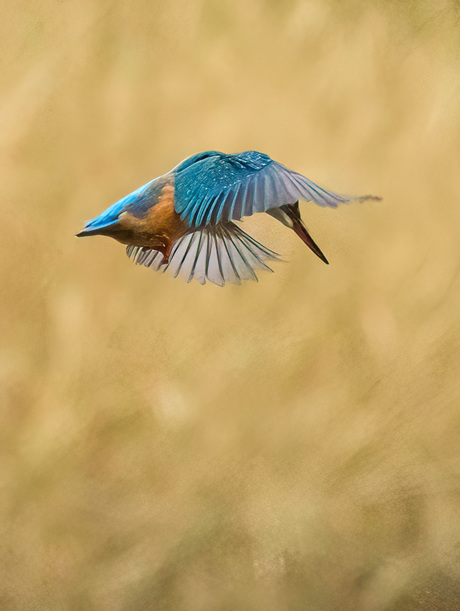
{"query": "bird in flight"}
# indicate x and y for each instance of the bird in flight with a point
(183, 221)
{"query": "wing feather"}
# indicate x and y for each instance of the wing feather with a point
(229, 213)
(242, 268)
(197, 255)
(216, 188)
(218, 254)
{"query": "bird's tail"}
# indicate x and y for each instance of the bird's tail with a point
(218, 253)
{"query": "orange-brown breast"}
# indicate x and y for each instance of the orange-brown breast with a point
(162, 219)
(160, 228)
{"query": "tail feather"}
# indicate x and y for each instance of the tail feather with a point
(215, 253)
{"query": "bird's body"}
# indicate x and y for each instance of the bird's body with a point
(183, 221)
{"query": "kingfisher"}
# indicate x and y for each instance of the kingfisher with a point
(183, 222)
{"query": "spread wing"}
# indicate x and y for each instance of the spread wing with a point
(214, 187)
(219, 254)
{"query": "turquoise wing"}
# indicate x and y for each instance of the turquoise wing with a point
(214, 187)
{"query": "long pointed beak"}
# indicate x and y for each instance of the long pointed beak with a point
(303, 234)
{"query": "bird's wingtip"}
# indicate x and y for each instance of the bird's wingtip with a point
(365, 198)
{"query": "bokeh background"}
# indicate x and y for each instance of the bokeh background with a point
(288, 444)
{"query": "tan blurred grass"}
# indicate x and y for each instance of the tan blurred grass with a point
(286, 445)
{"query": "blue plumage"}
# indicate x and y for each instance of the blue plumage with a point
(183, 221)
(112, 213)
(221, 187)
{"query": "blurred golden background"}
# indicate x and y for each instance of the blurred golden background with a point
(291, 444)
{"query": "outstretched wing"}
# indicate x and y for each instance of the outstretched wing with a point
(219, 254)
(217, 187)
